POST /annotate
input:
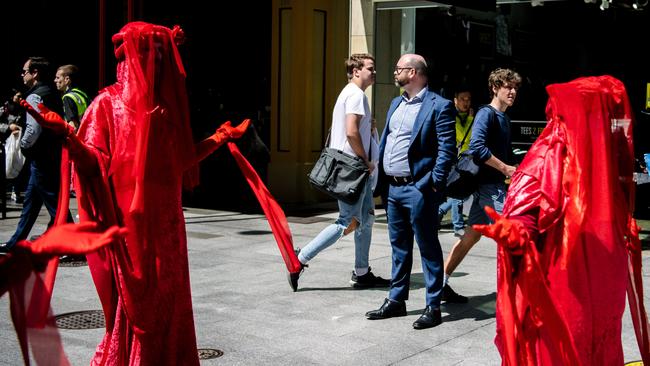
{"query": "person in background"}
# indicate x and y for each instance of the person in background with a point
(464, 121)
(75, 101)
(42, 148)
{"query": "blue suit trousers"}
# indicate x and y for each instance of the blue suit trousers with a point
(412, 213)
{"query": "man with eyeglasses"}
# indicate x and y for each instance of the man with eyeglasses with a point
(42, 149)
(416, 152)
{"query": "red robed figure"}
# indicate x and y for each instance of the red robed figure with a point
(133, 155)
(568, 245)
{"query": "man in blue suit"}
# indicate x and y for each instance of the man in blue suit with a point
(416, 152)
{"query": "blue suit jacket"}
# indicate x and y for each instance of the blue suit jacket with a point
(432, 149)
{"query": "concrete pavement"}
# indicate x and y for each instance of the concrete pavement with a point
(244, 307)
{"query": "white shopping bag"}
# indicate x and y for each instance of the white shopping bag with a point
(14, 158)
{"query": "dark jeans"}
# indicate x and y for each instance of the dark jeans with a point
(42, 188)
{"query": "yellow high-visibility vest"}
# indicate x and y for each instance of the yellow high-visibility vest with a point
(79, 98)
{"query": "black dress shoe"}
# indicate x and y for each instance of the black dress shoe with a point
(72, 258)
(389, 309)
(450, 296)
(4, 249)
(293, 277)
(430, 318)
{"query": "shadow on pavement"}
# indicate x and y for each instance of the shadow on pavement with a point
(478, 308)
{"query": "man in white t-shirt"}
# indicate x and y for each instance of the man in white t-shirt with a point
(354, 133)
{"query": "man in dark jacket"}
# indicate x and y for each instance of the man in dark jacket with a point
(42, 149)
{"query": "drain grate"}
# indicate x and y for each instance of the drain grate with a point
(209, 353)
(73, 263)
(89, 319)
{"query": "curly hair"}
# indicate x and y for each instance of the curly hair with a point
(503, 77)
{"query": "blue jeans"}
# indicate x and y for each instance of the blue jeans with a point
(41, 189)
(456, 207)
(410, 213)
(364, 212)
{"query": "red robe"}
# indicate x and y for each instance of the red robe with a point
(146, 282)
(561, 297)
(130, 171)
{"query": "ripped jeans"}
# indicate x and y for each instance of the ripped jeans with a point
(364, 213)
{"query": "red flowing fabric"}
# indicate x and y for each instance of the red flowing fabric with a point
(134, 155)
(32, 285)
(274, 214)
(561, 298)
(32, 289)
(27, 291)
(38, 309)
(21, 275)
(635, 293)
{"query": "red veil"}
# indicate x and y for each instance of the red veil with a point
(561, 296)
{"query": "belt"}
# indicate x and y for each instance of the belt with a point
(399, 181)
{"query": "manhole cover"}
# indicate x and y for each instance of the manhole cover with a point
(209, 353)
(74, 263)
(89, 319)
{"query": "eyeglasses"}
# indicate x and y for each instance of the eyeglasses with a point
(24, 72)
(400, 69)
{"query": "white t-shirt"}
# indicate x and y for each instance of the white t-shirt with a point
(352, 100)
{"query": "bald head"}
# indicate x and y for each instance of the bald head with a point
(415, 61)
(411, 73)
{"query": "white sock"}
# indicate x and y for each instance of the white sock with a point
(445, 280)
(360, 271)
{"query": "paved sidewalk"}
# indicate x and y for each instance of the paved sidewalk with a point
(243, 304)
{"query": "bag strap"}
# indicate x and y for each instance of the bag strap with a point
(327, 141)
(469, 128)
(329, 133)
